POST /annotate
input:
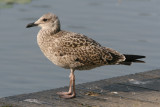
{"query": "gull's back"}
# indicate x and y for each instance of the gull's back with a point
(73, 50)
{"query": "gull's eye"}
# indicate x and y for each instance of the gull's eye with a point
(45, 20)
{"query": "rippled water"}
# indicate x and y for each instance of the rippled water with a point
(129, 26)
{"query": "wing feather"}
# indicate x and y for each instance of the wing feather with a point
(82, 52)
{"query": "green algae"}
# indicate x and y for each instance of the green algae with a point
(10, 3)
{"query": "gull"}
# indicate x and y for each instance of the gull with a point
(75, 51)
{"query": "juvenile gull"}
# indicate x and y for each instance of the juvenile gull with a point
(75, 51)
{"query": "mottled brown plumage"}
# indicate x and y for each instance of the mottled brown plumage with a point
(72, 50)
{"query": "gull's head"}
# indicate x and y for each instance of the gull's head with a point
(47, 21)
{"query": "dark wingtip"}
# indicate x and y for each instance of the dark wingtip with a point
(141, 56)
(31, 25)
(134, 58)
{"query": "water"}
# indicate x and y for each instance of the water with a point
(129, 26)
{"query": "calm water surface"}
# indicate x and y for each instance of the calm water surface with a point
(129, 26)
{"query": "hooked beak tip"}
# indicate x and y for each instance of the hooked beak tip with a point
(31, 25)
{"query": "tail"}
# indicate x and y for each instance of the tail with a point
(132, 58)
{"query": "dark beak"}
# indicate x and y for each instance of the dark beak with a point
(31, 25)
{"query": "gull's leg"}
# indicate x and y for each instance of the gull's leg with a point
(70, 87)
(72, 78)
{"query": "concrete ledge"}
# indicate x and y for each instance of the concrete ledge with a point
(135, 90)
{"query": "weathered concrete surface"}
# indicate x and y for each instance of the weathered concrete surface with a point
(136, 90)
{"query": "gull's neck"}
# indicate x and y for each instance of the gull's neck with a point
(51, 30)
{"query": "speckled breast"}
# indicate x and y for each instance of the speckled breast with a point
(49, 49)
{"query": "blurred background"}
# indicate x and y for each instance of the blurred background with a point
(129, 26)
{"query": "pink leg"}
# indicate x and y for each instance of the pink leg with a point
(70, 88)
(72, 83)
